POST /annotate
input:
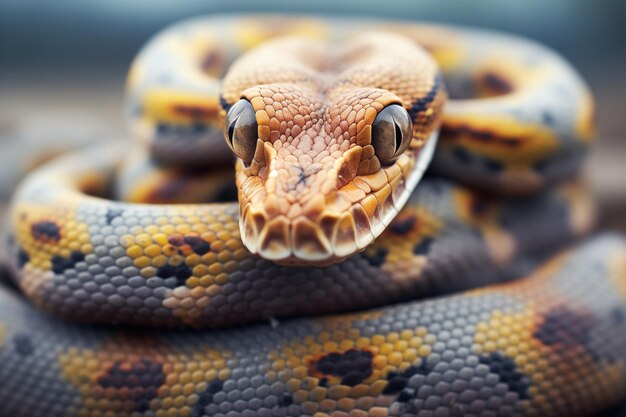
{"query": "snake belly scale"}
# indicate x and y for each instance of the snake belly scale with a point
(314, 290)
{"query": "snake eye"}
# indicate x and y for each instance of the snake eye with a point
(392, 132)
(241, 130)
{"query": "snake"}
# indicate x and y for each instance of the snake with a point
(345, 281)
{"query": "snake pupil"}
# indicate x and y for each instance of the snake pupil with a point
(398, 136)
(241, 130)
(231, 130)
(391, 133)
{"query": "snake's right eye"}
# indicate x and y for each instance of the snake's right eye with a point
(241, 130)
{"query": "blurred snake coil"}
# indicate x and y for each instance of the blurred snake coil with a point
(337, 285)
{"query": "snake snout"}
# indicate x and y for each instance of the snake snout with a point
(298, 216)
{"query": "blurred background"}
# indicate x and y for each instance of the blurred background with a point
(63, 63)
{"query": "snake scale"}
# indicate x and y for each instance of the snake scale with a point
(338, 286)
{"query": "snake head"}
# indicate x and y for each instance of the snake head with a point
(326, 159)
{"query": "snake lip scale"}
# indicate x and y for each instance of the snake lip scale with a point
(344, 281)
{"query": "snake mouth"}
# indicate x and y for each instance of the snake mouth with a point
(335, 225)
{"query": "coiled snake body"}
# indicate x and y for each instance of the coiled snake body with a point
(332, 127)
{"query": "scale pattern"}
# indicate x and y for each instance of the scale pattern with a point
(519, 122)
(163, 265)
(550, 344)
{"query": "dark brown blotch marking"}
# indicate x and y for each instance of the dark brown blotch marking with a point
(566, 328)
(462, 155)
(285, 400)
(197, 244)
(46, 231)
(451, 133)
(495, 83)
(60, 264)
(422, 104)
(196, 112)
(398, 381)
(506, 369)
(176, 239)
(353, 366)
(167, 192)
(180, 272)
(511, 142)
(493, 165)
(403, 226)
(191, 241)
(206, 397)
(212, 63)
(481, 206)
(422, 248)
(377, 257)
(140, 380)
(113, 213)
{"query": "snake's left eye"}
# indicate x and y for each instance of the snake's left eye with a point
(241, 130)
(392, 132)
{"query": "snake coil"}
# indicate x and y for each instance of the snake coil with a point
(332, 125)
